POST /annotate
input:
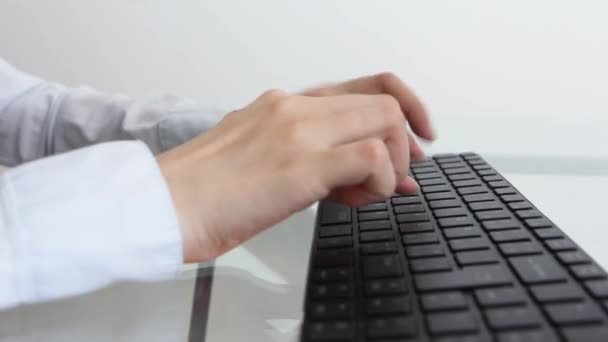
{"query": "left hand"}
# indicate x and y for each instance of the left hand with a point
(387, 83)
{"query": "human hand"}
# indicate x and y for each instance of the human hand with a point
(281, 154)
(386, 83)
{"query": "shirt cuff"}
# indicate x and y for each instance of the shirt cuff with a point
(82, 220)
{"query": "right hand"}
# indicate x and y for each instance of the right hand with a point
(280, 154)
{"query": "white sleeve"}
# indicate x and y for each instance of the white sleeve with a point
(78, 221)
(40, 118)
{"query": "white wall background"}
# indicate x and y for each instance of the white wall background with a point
(489, 71)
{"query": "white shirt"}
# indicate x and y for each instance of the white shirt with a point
(74, 222)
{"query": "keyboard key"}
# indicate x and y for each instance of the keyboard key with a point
(450, 212)
(453, 165)
(492, 178)
(388, 305)
(385, 287)
(493, 215)
(457, 171)
(327, 231)
(425, 169)
(512, 318)
(473, 190)
(381, 266)
(330, 331)
(335, 242)
(446, 156)
(598, 288)
(573, 258)
(441, 204)
(520, 205)
(462, 232)
(548, 233)
(408, 218)
(332, 274)
(466, 183)
(424, 251)
(586, 272)
(430, 175)
(420, 239)
(410, 208)
(512, 198)
(334, 257)
(557, 292)
(538, 223)
(574, 313)
(528, 214)
(482, 167)
(420, 163)
(560, 245)
(462, 176)
(432, 181)
(468, 278)
(381, 235)
(378, 248)
(407, 200)
(375, 225)
(323, 310)
(417, 227)
(528, 336)
(435, 188)
(440, 196)
(333, 213)
(501, 224)
(476, 162)
(538, 269)
(487, 172)
(443, 301)
(511, 235)
(451, 323)
(373, 216)
(476, 258)
(455, 222)
(468, 244)
(481, 206)
(520, 248)
(478, 198)
(391, 327)
(499, 184)
(332, 291)
(500, 297)
(586, 334)
(505, 191)
(373, 207)
(430, 265)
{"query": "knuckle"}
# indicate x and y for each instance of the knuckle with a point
(374, 152)
(273, 94)
(281, 105)
(391, 111)
(387, 77)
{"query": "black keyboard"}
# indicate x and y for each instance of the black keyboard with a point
(467, 259)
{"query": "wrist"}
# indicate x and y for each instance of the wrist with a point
(175, 166)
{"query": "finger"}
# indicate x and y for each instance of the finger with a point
(379, 118)
(416, 152)
(408, 186)
(364, 163)
(389, 84)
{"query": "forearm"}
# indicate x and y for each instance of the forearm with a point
(39, 118)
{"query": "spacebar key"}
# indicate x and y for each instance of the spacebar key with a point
(468, 278)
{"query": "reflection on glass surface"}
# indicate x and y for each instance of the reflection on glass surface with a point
(123, 312)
